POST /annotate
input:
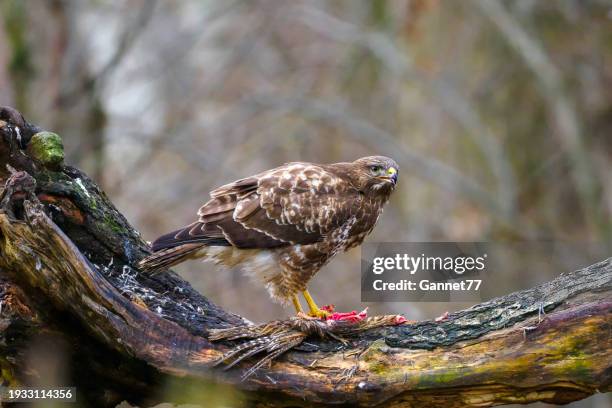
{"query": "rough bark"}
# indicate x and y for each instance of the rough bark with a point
(67, 269)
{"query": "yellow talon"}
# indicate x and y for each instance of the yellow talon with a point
(314, 309)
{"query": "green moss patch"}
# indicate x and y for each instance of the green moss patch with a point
(47, 148)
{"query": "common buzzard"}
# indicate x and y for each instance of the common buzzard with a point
(284, 224)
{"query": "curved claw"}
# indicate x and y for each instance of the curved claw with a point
(320, 314)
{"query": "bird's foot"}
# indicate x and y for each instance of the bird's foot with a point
(321, 314)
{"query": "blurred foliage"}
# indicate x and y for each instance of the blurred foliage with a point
(20, 63)
(499, 113)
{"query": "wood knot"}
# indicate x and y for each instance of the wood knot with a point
(12, 116)
(14, 128)
(18, 187)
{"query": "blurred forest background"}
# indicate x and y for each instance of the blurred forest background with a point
(498, 112)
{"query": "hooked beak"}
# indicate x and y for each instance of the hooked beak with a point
(391, 175)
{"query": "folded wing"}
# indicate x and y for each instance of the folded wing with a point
(298, 203)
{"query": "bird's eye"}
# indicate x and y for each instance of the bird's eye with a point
(376, 169)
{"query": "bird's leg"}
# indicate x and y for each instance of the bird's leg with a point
(296, 304)
(314, 309)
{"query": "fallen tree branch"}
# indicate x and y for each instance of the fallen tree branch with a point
(69, 253)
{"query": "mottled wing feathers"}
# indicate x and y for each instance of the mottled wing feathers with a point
(310, 197)
(297, 203)
(217, 208)
(238, 188)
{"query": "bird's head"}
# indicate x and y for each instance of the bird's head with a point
(376, 174)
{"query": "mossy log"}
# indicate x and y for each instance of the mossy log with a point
(67, 268)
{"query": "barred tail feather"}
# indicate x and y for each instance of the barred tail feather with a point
(180, 245)
(165, 258)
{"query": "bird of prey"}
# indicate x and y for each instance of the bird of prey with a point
(282, 225)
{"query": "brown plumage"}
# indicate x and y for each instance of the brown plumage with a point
(284, 224)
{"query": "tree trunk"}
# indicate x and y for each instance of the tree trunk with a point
(68, 270)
